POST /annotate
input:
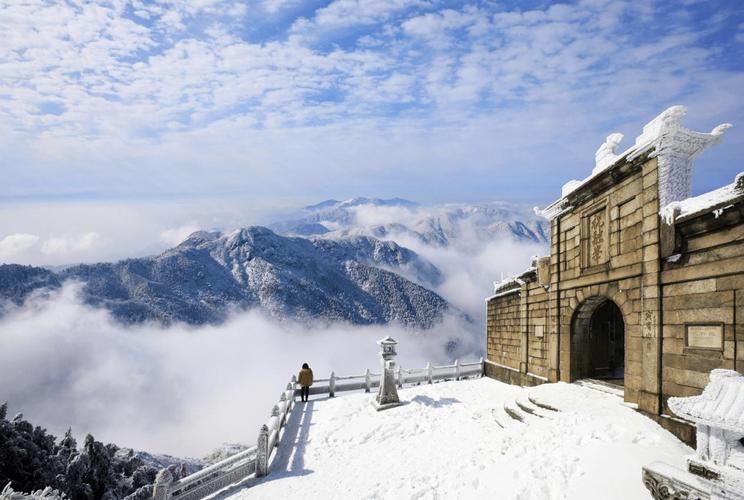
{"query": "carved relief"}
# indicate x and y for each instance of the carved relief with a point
(597, 238)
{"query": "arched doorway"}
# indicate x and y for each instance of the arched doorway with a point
(598, 341)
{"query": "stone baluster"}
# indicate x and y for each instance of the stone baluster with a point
(283, 404)
(367, 381)
(162, 484)
(482, 367)
(262, 452)
(399, 376)
(457, 369)
(429, 373)
(332, 385)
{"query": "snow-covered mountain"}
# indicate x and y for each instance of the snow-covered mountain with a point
(437, 225)
(211, 273)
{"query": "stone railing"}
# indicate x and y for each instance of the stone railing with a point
(256, 461)
(368, 380)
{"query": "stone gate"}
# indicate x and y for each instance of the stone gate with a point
(644, 285)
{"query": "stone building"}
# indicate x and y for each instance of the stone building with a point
(644, 285)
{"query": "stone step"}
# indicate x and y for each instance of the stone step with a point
(600, 386)
(544, 406)
(514, 411)
(501, 418)
(526, 406)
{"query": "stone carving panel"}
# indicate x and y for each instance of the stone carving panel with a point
(597, 247)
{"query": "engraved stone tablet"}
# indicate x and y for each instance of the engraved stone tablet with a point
(539, 330)
(705, 336)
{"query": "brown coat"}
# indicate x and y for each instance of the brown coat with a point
(305, 378)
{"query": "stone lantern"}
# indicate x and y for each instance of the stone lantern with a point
(387, 396)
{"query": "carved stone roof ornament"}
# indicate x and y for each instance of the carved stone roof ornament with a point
(717, 469)
(676, 147)
(606, 155)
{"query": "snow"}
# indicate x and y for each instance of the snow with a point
(704, 202)
(447, 442)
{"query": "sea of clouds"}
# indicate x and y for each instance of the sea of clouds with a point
(184, 390)
(179, 390)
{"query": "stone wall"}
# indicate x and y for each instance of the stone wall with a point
(609, 247)
(702, 292)
(504, 324)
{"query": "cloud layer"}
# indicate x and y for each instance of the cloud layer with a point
(402, 97)
(178, 390)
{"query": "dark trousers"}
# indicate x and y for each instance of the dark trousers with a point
(304, 393)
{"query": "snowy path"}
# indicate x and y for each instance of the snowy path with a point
(446, 443)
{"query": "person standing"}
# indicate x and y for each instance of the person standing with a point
(305, 379)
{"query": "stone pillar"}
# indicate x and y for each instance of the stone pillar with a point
(524, 315)
(162, 484)
(554, 309)
(262, 452)
(387, 396)
(649, 398)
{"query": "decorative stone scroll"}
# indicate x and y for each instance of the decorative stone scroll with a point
(606, 155)
(675, 147)
(716, 471)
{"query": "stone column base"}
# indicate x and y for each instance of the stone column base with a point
(386, 406)
(670, 483)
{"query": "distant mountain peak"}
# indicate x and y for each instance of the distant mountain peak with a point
(384, 202)
(322, 205)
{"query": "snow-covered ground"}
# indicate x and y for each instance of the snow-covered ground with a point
(447, 442)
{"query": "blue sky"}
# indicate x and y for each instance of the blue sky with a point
(282, 102)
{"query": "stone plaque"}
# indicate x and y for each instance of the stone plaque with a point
(705, 336)
(539, 331)
(597, 238)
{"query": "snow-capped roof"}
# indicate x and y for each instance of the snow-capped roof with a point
(721, 404)
(510, 284)
(714, 200)
(663, 133)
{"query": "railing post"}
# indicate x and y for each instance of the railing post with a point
(293, 385)
(332, 385)
(399, 376)
(457, 369)
(275, 411)
(429, 373)
(367, 381)
(162, 483)
(482, 368)
(285, 407)
(262, 452)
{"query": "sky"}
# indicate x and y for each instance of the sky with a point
(130, 120)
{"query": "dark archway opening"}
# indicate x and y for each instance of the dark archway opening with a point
(598, 341)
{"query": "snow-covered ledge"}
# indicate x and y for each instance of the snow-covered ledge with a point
(716, 471)
(674, 145)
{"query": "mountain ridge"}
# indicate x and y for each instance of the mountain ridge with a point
(211, 273)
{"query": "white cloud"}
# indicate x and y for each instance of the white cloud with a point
(15, 244)
(274, 6)
(176, 235)
(347, 13)
(147, 387)
(123, 106)
(70, 244)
